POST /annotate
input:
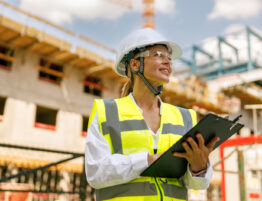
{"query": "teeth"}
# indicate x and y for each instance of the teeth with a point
(165, 70)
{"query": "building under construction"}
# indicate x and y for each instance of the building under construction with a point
(49, 78)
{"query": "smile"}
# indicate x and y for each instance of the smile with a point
(165, 71)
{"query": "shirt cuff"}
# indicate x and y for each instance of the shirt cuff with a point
(139, 161)
(201, 173)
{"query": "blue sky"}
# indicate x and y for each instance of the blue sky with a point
(185, 22)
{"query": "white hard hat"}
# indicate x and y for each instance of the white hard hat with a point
(139, 39)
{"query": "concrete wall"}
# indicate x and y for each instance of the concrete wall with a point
(24, 91)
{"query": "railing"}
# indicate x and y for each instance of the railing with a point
(80, 192)
(234, 53)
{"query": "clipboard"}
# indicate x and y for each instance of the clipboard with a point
(211, 125)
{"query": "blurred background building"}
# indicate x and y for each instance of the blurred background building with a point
(50, 76)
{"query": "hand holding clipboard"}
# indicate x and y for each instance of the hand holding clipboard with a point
(210, 126)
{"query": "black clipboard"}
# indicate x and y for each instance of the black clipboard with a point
(211, 125)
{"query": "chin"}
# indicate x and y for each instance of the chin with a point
(163, 81)
(158, 80)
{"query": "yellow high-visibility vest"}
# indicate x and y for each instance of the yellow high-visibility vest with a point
(123, 126)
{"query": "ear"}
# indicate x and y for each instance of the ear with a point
(134, 64)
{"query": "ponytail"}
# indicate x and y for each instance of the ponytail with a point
(128, 86)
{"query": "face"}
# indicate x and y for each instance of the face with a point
(157, 65)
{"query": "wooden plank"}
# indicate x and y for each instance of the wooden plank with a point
(97, 44)
(46, 50)
(33, 33)
(97, 71)
(54, 41)
(6, 57)
(51, 71)
(84, 53)
(69, 58)
(11, 24)
(83, 63)
(36, 46)
(59, 55)
(94, 69)
(23, 41)
(74, 61)
(2, 29)
(7, 35)
(41, 36)
(43, 48)
(107, 73)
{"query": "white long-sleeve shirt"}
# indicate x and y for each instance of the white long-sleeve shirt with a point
(105, 169)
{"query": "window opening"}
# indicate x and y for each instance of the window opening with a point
(93, 85)
(6, 58)
(84, 125)
(2, 107)
(45, 118)
(51, 72)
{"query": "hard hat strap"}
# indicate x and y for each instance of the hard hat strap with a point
(140, 73)
(159, 88)
(141, 67)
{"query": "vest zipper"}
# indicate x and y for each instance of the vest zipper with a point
(157, 184)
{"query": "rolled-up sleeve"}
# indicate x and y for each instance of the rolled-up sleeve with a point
(198, 182)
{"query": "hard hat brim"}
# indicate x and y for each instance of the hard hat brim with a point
(176, 52)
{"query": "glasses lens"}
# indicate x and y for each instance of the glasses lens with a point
(162, 55)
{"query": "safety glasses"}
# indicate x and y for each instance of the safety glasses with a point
(154, 54)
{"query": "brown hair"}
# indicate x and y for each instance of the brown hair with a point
(128, 86)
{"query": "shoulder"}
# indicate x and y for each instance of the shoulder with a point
(173, 107)
(102, 103)
(188, 115)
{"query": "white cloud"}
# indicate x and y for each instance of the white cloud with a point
(165, 6)
(233, 28)
(66, 11)
(233, 9)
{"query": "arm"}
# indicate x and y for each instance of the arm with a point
(105, 169)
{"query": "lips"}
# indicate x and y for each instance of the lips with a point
(167, 71)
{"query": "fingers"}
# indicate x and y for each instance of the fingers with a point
(187, 148)
(180, 155)
(212, 143)
(201, 141)
(192, 143)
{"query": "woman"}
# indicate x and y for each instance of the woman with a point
(126, 135)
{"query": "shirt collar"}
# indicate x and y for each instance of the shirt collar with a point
(132, 98)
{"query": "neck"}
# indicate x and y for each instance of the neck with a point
(144, 97)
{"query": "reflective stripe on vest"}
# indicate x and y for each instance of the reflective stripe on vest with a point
(127, 190)
(114, 127)
(140, 189)
(180, 130)
(174, 191)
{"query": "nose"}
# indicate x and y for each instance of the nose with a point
(166, 61)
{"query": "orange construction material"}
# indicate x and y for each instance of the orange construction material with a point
(238, 141)
(148, 14)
